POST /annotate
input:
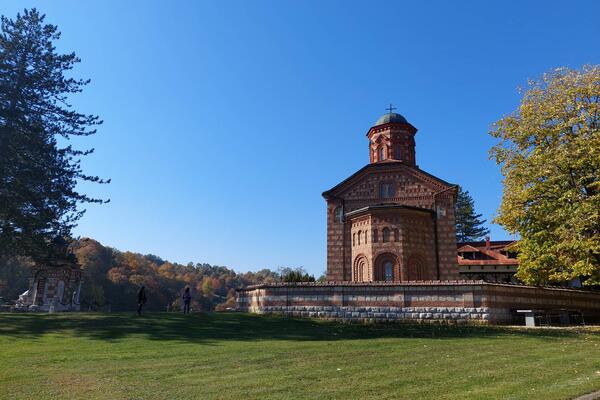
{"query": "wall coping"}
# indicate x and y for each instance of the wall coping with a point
(441, 283)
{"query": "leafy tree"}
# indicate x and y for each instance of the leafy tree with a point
(207, 287)
(549, 152)
(295, 275)
(469, 227)
(38, 198)
(14, 276)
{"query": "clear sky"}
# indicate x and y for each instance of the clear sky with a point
(224, 121)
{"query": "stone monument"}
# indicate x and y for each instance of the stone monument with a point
(54, 285)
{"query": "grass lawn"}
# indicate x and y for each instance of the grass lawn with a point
(242, 356)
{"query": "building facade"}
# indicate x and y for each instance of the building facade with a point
(391, 221)
(490, 261)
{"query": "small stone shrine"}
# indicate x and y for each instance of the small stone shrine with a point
(54, 285)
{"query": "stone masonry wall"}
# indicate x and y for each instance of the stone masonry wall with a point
(427, 301)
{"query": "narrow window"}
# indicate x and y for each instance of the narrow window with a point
(389, 271)
(396, 235)
(375, 236)
(359, 238)
(338, 214)
(398, 153)
(354, 239)
(386, 235)
(381, 155)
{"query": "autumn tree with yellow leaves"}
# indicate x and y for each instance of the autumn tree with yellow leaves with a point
(549, 153)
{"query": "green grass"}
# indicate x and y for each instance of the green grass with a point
(241, 356)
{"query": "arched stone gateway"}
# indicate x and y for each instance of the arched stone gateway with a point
(387, 268)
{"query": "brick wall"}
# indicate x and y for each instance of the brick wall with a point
(397, 142)
(335, 242)
(427, 301)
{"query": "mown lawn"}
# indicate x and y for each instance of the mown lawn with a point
(241, 356)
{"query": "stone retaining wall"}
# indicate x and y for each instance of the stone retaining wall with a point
(428, 301)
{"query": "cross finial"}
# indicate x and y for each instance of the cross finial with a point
(390, 108)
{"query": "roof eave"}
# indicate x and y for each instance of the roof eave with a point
(410, 127)
(330, 193)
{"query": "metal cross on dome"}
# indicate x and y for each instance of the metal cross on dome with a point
(390, 108)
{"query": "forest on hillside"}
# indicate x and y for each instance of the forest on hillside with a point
(112, 279)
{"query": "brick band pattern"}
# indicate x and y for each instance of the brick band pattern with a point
(427, 301)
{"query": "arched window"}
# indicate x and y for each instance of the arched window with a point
(375, 236)
(388, 270)
(338, 214)
(359, 238)
(354, 239)
(360, 270)
(386, 235)
(398, 153)
(416, 269)
(396, 235)
(381, 154)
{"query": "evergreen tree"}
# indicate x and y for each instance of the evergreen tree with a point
(38, 176)
(289, 274)
(469, 227)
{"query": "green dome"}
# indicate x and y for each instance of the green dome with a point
(390, 118)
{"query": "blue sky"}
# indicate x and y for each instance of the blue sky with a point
(224, 121)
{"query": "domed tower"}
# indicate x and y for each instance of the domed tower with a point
(392, 138)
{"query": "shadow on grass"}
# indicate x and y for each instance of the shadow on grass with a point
(207, 328)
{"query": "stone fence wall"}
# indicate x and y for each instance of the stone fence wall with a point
(426, 301)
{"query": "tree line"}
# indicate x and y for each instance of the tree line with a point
(112, 279)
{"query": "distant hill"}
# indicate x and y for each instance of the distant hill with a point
(112, 277)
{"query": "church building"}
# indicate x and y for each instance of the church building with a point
(390, 220)
(392, 255)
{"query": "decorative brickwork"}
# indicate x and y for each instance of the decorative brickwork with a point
(52, 287)
(392, 253)
(427, 301)
(390, 211)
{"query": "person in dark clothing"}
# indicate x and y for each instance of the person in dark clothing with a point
(187, 298)
(141, 299)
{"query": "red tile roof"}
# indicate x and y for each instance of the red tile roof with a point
(486, 253)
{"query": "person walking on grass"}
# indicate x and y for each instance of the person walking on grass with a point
(141, 299)
(187, 298)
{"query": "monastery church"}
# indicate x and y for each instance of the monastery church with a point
(392, 254)
(390, 220)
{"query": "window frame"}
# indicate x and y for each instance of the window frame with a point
(388, 266)
(387, 190)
